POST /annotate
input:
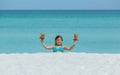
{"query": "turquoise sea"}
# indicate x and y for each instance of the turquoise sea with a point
(98, 30)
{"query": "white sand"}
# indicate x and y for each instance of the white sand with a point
(60, 64)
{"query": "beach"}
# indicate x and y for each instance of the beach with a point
(68, 63)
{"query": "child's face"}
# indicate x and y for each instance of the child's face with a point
(59, 41)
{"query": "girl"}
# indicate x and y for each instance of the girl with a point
(58, 47)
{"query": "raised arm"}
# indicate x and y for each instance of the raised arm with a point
(42, 37)
(75, 40)
(45, 46)
(70, 48)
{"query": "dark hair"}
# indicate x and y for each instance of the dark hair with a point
(58, 36)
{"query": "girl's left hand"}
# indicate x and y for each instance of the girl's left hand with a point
(75, 37)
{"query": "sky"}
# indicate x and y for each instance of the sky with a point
(59, 4)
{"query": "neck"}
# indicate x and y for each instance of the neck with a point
(58, 45)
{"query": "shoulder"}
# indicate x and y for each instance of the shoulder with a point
(51, 47)
(64, 46)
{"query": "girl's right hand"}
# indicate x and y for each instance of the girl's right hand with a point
(42, 36)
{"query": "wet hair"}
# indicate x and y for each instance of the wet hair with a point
(58, 36)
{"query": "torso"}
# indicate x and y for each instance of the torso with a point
(58, 49)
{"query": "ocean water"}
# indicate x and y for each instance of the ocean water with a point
(98, 30)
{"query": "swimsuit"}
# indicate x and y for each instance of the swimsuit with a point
(55, 49)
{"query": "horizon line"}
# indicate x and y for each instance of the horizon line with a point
(60, 9)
